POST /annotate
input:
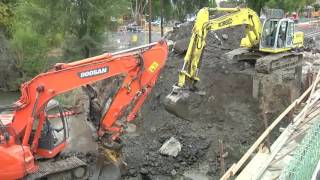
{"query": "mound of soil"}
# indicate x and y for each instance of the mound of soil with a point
(230, 110)
(227, 112)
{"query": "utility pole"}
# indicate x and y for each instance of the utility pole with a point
(161, 14)
(150, 18)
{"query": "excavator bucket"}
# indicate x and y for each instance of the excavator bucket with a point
(183, 102)
(176, 104)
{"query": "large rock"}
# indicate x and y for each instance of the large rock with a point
(181, 46)
(9, 73)
(171, 147)
(183, 32)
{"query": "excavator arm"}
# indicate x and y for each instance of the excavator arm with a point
(234, 17)
(139, 67)
(176, 101)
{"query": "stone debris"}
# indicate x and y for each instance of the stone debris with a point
(181, 46)
(171, 147)
(229, 110)
(225, 36)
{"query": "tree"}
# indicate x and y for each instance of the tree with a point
(76, 25)
(88, 21)
(33, 31)
(137, 8)
(173, 9)
(183, 7)
(310, 2)
(316, 7)
(287, 5)
(6, 15)
(167, 9)
(256, 5)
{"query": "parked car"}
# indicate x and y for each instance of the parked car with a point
(133, 27)
(190, 17)
(176, 25)
(156, 22)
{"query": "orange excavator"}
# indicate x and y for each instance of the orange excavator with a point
(26, 136)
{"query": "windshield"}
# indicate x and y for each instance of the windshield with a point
(269, 33)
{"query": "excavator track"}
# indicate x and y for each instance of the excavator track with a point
(265, 62)
(48, 168)
(274, 62)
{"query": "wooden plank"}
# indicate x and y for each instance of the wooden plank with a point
(314, 85)
(221, 149)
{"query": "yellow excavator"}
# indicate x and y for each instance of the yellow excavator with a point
(269, 46)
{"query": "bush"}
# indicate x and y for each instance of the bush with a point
(6, 16)
(316, 7)
(30, 49)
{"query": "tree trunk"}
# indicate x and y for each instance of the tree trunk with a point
(138, 7)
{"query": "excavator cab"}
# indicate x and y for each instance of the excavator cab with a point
(54, 132)
(277, 35)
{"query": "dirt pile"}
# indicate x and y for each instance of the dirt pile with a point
(143, 158)
(227, 112)
(231, 110)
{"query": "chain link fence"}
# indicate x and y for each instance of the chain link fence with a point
(305, 158)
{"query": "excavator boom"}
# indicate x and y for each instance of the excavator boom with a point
(20, 141)
(234, 17)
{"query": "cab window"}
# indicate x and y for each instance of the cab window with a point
(281, 41)
(269, 33)
(290, 34)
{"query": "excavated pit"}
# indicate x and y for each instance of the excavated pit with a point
(236, 101)
(231, 110)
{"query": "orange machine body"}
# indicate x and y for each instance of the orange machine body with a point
(140, 68)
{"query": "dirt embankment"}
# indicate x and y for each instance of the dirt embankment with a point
(232, 109)
(227, 112)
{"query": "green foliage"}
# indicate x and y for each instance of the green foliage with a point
(39, 26)
(88, 21)
(287, 5)
(138, 8)
(34, 31)
(30, 49)
(257, 4)
(167, 9)
(172, 9)
(316, 7)
(6, 16)
(310, 2)
(183, 7)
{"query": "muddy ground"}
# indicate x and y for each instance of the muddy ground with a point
(232, 109)
(228, 112)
